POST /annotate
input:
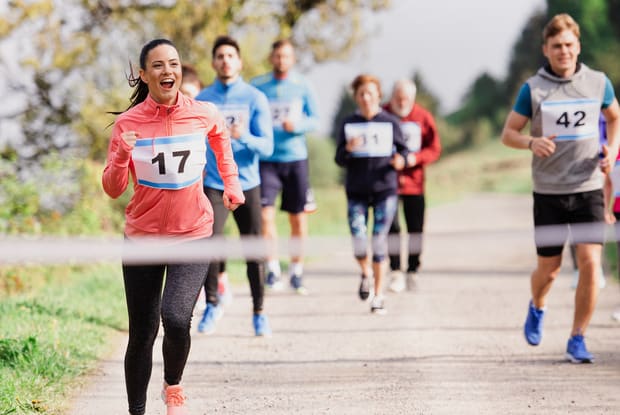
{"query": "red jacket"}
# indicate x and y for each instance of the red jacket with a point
(181, 212)
(411, 179)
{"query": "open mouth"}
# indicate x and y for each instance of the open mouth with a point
(167, 83)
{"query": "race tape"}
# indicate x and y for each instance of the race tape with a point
(25, 250)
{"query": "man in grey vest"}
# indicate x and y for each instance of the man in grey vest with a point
(562, 102)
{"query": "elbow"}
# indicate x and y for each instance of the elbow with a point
(113, 191)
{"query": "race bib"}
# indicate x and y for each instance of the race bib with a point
(235, 114)
(170, 162)
(412, 133)
(570, 119)
(285, 110)
(377, 138)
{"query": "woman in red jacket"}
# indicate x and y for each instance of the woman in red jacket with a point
(160, 141)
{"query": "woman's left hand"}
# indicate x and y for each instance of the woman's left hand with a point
(228, 204)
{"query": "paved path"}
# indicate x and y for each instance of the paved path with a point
(454, 346)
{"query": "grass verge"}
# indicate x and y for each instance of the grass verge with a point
(51, 336)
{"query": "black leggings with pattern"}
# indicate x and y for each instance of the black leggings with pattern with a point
(146, 305)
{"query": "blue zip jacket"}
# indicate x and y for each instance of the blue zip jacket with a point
(293, 95)
(241, 99)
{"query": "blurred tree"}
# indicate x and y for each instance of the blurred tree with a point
(60, 61)
(424, 95)
(346, 107)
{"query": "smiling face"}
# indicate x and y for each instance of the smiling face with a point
(226, 63)
(562, 51)
(162, 73)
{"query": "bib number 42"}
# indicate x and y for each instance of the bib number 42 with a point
(577, 121)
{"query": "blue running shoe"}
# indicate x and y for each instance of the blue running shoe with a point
(261, 325)
(210, 316)
(534, 325)
(576, 350)
(297, 285)
(273, 282)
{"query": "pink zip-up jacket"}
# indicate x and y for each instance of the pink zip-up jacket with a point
(183, 212)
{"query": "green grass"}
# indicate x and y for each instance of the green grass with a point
(53, 335)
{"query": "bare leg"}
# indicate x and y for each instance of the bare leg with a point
(299, 232)
(270, 233)
(589, 258)
(542, 278)
(378, 269)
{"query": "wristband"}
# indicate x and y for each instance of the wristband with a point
(529, 145)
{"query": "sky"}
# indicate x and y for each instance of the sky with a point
(449, 42)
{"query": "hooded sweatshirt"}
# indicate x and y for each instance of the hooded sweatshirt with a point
(166, 167)
(568, 108)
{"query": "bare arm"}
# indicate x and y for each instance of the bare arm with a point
(512, 136)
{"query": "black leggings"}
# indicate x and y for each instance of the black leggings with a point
(145, 304)
(413, 207)
(248, 219)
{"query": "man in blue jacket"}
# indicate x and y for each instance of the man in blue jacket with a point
(248, 119)
(294, 113)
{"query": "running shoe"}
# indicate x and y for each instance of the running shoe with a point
(377, 305)
(211, 315)
(273, 281)
(397, 281)
(534, 325)
(364, 290)
(411, 279)
(616, 315)
(261, 325)
(297, 285)
(224, 293)
(175, 400)
(576, 351)
(310, 206)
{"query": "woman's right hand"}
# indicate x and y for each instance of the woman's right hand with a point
(130, 137)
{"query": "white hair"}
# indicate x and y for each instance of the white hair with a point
(406, 85)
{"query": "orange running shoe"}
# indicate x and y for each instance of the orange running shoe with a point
(175, 400)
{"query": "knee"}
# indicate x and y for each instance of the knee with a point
(175, 325)
(142, 337)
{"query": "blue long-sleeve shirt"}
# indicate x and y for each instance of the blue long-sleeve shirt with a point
(241, 100)
(292, 98)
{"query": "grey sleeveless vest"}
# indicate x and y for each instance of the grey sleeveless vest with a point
(574, 167)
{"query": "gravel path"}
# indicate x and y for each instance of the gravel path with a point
(453, 346)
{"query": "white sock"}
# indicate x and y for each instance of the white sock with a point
(273, 265)
(296, 268)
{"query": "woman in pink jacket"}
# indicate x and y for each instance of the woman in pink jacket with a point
(160, 141)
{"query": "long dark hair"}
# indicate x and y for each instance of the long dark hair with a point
(141, 89)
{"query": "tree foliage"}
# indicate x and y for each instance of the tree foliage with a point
(488, 99)
(64, 61)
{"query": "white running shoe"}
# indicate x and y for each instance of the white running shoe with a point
(377, 305)
(397, 281)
